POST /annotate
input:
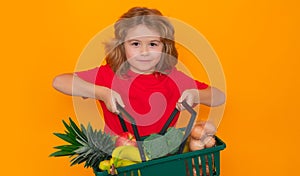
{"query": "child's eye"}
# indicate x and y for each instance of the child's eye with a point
(152, 44)
(135, 43)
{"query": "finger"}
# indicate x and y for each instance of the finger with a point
(120, 101)
(114, 106)
(179, 106)
(183, 97)
(189, 100)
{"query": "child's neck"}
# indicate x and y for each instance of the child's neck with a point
(143, 73)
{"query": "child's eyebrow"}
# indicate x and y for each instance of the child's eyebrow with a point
(133, 40)
(155, 41)
(137, 40)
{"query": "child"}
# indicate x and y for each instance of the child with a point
(140, 75)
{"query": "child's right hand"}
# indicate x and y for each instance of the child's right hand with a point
(111, 98)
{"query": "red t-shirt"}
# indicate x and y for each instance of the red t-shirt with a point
(149, 99)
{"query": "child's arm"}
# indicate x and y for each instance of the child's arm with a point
(71, 84)
(210, 96)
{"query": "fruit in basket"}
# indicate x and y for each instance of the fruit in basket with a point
(121, 162)
(126, 138)
(131, 153)
(105, 165)
(85, 145)
(127, 163)
(116, 163)
(186, 146)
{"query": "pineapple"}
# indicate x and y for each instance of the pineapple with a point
(85, 145)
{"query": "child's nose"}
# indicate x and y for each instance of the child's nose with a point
(144, 50)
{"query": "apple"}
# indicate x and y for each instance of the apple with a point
(126, 138)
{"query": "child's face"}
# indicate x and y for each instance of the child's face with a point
(143, 49)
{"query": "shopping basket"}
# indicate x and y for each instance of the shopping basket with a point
(205, 162)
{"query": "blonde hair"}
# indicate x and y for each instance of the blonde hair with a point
(152, 19)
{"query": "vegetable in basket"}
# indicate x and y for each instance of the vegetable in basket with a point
(202, 136)
(161, 145)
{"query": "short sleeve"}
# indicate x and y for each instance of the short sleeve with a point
(89, 75)
(201, 85)
(184, 81)
(101, 76)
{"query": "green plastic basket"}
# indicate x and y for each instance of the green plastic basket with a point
(201, 163)
(177, 165)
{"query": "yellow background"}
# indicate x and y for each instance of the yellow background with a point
(257, 43)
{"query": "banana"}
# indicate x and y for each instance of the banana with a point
(186, 146)
(127, 153)
(105, 165)
(123, 163)
(114, 161)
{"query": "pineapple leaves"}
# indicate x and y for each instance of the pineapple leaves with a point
(85, 144)
(77, 131)
(67, 137)
(61, 153)
(68, 148)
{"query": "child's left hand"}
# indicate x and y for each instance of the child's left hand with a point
(191, 96)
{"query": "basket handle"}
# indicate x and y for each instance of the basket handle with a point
(164, 129)
(189, 126)
(134, 127)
